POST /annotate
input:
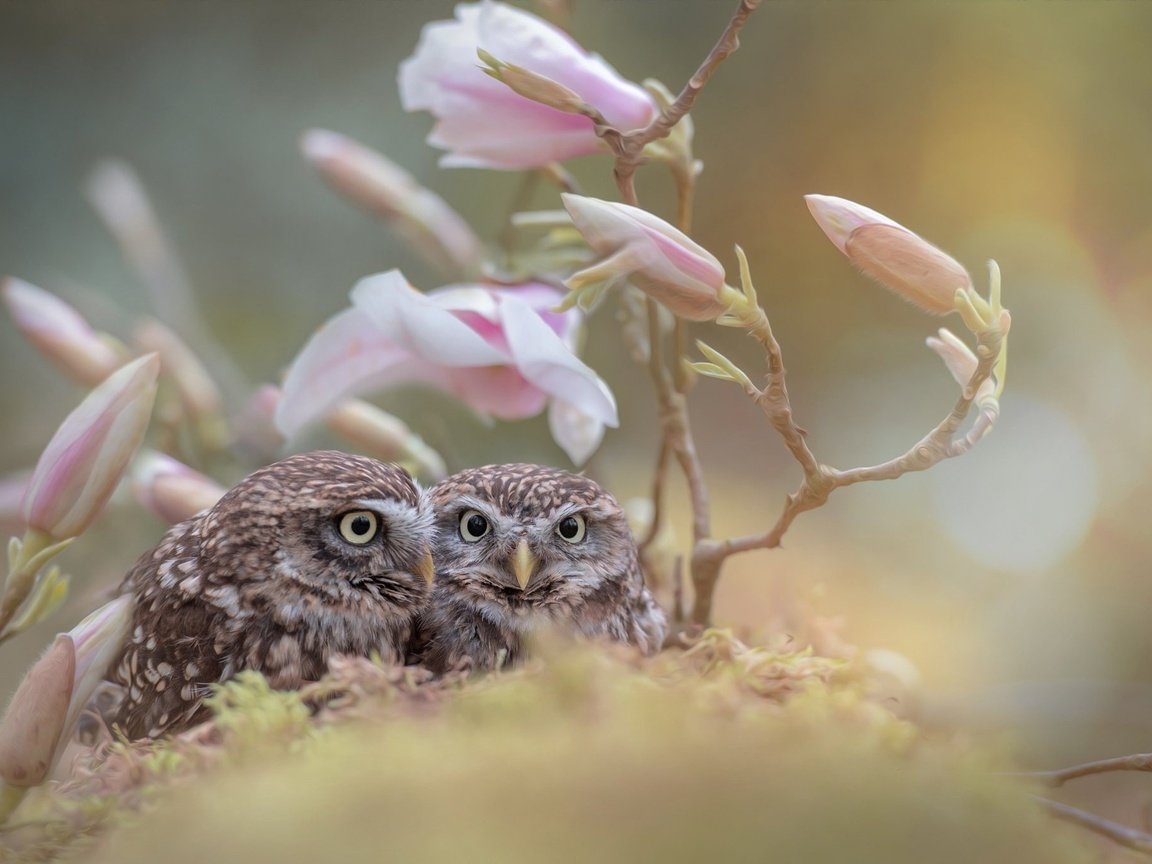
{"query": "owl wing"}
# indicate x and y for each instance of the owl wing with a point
(649, 623)
(180, 642)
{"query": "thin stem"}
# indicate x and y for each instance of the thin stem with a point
(506, 239)
(820, 481)
(657, 496)
(629, 146)
(676, 431)
(1130, 838)
(1060, 776)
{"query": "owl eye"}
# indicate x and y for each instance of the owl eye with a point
(359, 527)
(572, 528)
(473, 526)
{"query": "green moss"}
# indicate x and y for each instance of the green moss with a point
(583, 756)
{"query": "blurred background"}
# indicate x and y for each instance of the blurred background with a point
(1016, 579)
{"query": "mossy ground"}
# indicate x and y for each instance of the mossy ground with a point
(720, 752)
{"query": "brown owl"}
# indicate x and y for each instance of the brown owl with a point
(518, 546)
(316, 555)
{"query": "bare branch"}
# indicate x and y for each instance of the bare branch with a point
(1130, 838)
(1060, 776)
(729, 42)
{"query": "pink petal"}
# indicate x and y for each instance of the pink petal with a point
(577, 433)
(544, 359)
(414, 322)
(348, 355)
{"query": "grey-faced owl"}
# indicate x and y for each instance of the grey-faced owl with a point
(319, 554)
(518, 546)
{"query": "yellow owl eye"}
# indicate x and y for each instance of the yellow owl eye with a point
(473, 526)
(359, 527)
(572, 528)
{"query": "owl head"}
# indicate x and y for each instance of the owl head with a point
(518, 539)
(323, 529)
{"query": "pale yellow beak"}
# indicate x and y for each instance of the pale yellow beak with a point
(426, 568)
(523, 564)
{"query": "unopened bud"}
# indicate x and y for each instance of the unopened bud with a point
(661, 261)
(61, 334)
(170, 490)
(386, 190)
(383, 436)
(886, 251)
(34, 722)
(533, 85)
(85, 459)
(198, 392)
(960, 360)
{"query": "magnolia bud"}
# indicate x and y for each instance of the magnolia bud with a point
(661, 261)
(170, 490)
(34, 722)
(886, 251)
(61, 334)
(388, 191)
(85, 459)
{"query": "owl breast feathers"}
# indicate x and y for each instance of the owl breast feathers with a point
(319, 554)
(520, 546)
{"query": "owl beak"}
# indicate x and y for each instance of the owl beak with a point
(426, 568)
(523, 564)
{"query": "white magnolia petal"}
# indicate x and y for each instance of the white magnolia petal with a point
(466, 298)
(348, 355)
(410, 320)
(544, 359)
(577, 433)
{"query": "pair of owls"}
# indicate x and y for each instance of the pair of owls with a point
(326, 553)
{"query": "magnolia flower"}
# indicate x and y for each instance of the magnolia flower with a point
(901, 261)
(170, 490)
(388, 191)
(60, 333)
(38, 723)
(501, 350)
(83, 462)
(485, 124)
(664, 263)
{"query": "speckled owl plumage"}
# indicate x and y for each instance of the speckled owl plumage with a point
(594, 587)
(265, 580)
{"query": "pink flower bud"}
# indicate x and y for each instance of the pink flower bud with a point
(170, 490)
(386, 190)
(60, 333)
(85, 459)
(664, 263)
(40, 718)
(198, 392)
(482, 122)
(886, 251)
(385, 437)
(960, 360)
(34, 721)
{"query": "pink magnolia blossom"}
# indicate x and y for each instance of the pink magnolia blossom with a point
(898, 259)
(170, 490)
(60, 333)
(85, 459)
(500, 350)
(485, 124)
(663, 262)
